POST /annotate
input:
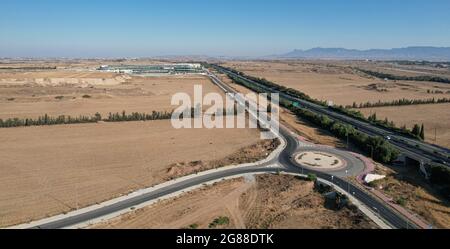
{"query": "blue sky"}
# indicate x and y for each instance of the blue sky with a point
(215, 27)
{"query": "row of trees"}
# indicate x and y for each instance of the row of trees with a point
(376, 146)
(268, 84)
(341, 109)
(48, 120)
(112, 117)
(136, 116)
(373, 120)
(440, 178)
(403, 77)
(399, 102)
(62, 119)
(419, 131)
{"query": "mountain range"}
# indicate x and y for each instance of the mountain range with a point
(408, 53)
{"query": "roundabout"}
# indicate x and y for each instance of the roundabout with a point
(326, 159)
(319, 160)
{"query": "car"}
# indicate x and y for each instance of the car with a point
(388, 137)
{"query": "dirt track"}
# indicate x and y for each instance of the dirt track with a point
(269, 201)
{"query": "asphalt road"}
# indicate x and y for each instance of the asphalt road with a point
(292, 147)
(421, 151)
(285, 164)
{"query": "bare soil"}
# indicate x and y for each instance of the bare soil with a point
(269, 201)
(55, 169)
(337, 81)
(422, 199)
(419, 197)
(132, 94)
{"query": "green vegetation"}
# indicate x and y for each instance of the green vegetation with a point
(399, 102)
(86, 96)
(401, 201)
(322, 188)
(271, 85)
(340, 201)
(219, 221)
(62, 119)
(292, 92)
(401, 77)
(27, 68)
(418, 131)
(376, 146)
(193, 226)
(136, 116)
(390, 125)
(59, 97)
(440, 178)
(312, 177)
(422, 132)
(47, 120)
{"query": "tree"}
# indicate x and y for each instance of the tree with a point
(416, 130)
(422, 132)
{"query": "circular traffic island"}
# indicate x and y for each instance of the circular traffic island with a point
(319, 160)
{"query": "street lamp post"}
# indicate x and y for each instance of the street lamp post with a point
(348, 183)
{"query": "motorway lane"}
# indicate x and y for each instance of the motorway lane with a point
(425, 152)
(284, 159)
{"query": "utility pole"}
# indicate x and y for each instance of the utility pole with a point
(371, 151)
(435, 133)
(348, 182)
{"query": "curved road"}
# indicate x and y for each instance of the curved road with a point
(283, 162)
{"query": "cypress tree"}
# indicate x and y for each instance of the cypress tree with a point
(422, 132)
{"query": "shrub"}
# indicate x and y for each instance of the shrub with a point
(193, 226)
(401, 201)
(222, 220)
(312, 177)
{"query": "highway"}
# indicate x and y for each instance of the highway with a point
(415, 149)
(286, 159)
(283, 162)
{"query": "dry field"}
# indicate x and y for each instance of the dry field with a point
(90, 92)
(54, 169)
(264, 201)
(403, 69)
(418, 195)
(336, 82)
(435, 117)
(300, 126)
(404, 183)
